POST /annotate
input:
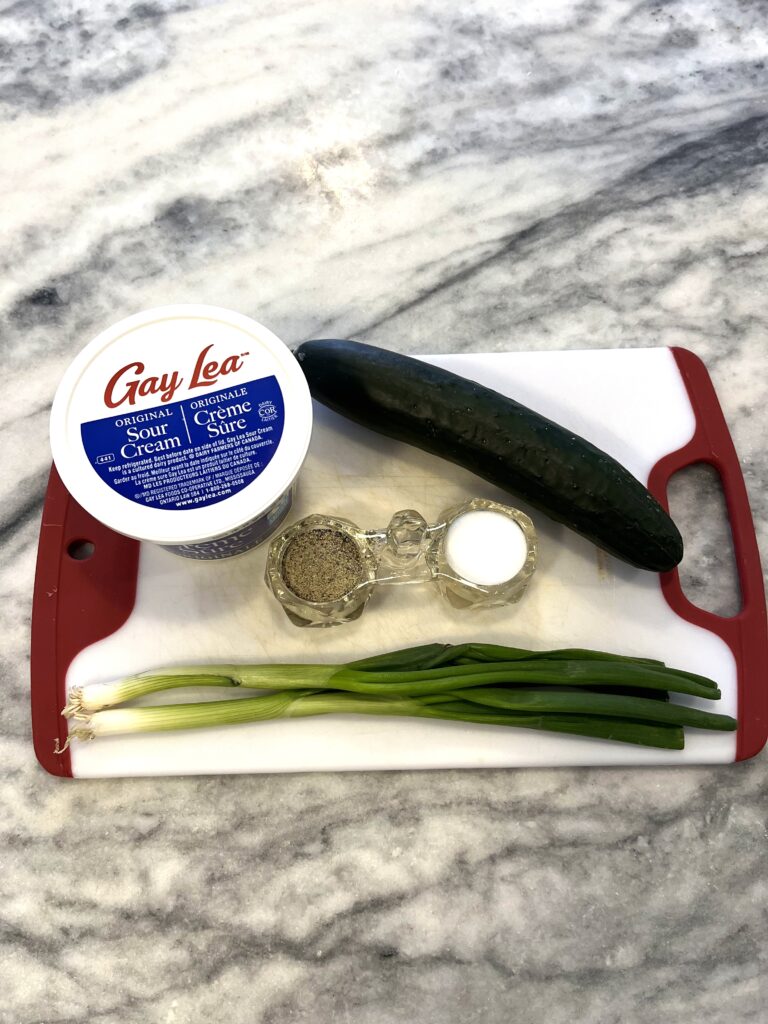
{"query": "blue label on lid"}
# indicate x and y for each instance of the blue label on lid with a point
(189, 454)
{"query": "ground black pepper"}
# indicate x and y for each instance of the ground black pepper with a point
(322, 565)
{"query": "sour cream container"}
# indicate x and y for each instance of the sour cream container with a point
(184, 426)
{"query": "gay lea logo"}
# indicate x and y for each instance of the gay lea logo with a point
(131, 383)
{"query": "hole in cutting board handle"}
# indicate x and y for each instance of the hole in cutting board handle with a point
(708, 573)
(81, 550)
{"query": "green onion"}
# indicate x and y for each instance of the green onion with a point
(403, 683)
(589, 693)
(554, 673)
(84, 700)
(597, 704)
(308, 703)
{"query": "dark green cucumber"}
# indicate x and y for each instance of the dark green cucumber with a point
(500, 440)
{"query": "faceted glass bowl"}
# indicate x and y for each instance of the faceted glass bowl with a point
(463, 593)
(320, 613)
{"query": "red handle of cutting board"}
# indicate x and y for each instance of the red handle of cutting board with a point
(746, 633)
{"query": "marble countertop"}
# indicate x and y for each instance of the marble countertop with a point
(428, 177)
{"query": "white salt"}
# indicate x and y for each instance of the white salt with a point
(485, 547)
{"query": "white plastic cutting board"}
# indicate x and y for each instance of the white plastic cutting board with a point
(632, 403)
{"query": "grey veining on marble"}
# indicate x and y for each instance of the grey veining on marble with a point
(430, 177)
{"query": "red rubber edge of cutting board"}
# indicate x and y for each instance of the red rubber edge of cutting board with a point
(79, 602)
(747, 632)
(75, 604)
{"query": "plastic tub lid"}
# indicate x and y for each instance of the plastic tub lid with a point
(181, 424)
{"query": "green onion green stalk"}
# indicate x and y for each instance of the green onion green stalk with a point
(582, 692)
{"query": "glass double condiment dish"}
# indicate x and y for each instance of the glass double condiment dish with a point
(324, 569)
